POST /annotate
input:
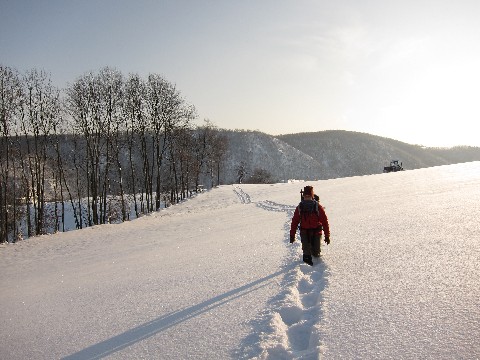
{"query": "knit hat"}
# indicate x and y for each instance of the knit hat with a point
(308, 191)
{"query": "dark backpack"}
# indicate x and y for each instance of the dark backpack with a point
(309, 214)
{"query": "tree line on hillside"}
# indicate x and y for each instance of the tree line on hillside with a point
(108, 146)
(346, 153)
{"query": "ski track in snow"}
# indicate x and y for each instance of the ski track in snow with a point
(242, 195)
(286, 329)
(273, 206)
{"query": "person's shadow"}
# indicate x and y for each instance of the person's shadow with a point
(144, 331)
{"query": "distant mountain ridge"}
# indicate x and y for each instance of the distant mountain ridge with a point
(329, 154)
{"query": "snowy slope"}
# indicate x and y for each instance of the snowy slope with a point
(215, 277)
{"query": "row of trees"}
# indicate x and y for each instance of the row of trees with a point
(110, 146)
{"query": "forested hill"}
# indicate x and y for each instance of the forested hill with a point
(330, 154)
(256, 154)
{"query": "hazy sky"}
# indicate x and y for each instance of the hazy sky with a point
(404, 69)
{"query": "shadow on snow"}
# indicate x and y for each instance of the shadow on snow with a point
(135, 335)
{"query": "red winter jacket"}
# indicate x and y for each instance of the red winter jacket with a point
(314, 221)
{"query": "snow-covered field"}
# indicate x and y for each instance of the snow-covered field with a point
(215, 277)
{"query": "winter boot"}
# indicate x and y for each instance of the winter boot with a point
(308, 259)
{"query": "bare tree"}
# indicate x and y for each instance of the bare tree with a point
(94, 103)
(111, 97)
(81, 104)
(10, 97)
(167, 112)
(260, 176)
(135, 124)
(40, 112)
(156, 86)
(218, 151)
(241, 171)
(115, 123)
(200, 150)
(184, 144)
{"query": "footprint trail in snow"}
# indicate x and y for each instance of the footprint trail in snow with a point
(289, 327)
(294, 316)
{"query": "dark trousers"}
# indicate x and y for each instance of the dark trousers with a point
(310, 242)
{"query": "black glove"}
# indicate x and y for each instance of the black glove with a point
(327, 240)
(292, 239)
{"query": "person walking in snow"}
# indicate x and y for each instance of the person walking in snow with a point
(313, 220)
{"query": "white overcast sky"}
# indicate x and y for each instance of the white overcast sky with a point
(408, 70)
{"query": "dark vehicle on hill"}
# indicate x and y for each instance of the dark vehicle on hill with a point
(393, 167)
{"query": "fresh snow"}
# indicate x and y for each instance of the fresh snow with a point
(215, 277)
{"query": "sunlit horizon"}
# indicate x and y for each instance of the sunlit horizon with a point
(406, 71)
